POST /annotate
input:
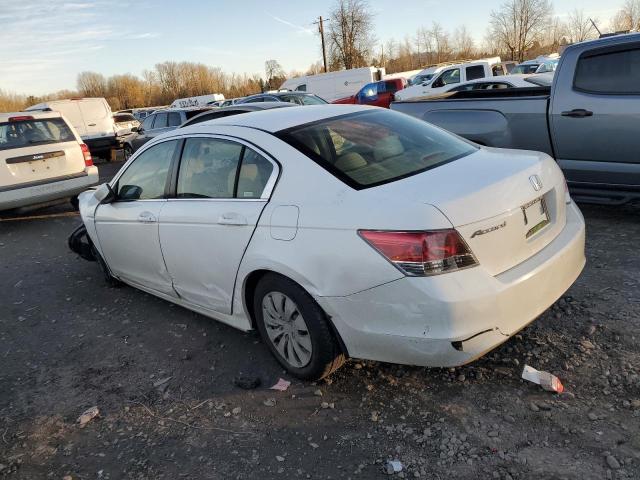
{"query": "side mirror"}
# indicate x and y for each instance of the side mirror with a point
(130, 192)
(136, 129)
(104, 194)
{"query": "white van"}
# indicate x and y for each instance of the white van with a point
(90, 117)
(42, 160)
(444, 76)
(199, 101)
(334, 85)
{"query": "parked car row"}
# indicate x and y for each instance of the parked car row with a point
(585, 118)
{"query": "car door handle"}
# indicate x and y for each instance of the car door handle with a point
(577, 113)
(232, 219)
(147, 217)
(91, 124)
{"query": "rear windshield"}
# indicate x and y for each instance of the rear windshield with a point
(27, 133)
(366, 149)
(124, 117)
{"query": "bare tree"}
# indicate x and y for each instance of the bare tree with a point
(579, 27)
(518, 24)
(628, 17)
(350, 35)
(463, 42)
(557, 33)
(440, 43)
(92, 84)
(274, 72)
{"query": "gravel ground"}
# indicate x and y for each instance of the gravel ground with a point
(163, 380)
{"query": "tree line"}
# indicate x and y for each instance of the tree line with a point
(517, 30)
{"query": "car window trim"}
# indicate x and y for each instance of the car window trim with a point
(269, 187)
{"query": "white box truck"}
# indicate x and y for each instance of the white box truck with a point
(90, 117)
(334, 85)
(198, 101)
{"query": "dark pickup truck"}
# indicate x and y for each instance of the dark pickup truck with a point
(588, 119)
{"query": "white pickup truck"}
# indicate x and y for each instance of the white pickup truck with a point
(445, 78)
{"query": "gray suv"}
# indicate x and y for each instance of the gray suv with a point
(155, 124)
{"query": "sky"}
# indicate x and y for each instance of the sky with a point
(44, 44)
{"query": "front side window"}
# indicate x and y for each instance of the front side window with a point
(209, 169)
(161, 121)
(366, 149)
(301, 88)
(146, 177)
(148, 122)
(28, 133)
(612, 72)
(447, 78)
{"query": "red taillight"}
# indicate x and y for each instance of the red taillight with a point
(422, 253)
(88, 160)
(20, 118)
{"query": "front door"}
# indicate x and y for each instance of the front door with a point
(206, 228)
(128, 227)
(594, 117)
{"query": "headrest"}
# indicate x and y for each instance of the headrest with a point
(249, 171)
(350, 161)
(388, 147)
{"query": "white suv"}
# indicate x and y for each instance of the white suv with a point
(42, 159)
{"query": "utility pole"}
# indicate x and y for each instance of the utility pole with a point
(324, 51)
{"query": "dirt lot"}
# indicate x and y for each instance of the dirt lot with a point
(163, 380)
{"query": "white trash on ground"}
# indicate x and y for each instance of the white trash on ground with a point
(546, 380)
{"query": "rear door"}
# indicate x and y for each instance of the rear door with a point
(128, 227)
(34, 150)
(97, 117)
(595, 116)
(221, 190)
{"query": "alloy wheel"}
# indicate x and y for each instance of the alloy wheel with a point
(287, 329)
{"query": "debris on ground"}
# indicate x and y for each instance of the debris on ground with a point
(269, 402)
(393, 466)
(88, 415)
(546, 380)
(247, 382)
(281, 385)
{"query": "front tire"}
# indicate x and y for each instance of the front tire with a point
(109, 279)
(295, 329)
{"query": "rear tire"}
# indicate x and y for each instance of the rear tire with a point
(295, 329)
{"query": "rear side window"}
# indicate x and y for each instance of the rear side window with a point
(174, 119)
(609, 73)
(366, 149)
(209, 169)
(475, 72)
(301, 88)
(146, 177)
(160, 121)
(29, 133)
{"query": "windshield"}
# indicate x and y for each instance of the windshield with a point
(303, 99)
(419, 79)
(525, 69)
(366, 149)
(26, 133)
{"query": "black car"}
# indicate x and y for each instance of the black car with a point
(297, 98)
(235, 110)
(157, 123)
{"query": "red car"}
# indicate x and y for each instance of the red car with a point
(379, 94)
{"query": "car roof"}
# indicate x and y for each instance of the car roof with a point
(238, 108)
(276, 119)
(280, 94)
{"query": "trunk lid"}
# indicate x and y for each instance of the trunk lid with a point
(490, 198)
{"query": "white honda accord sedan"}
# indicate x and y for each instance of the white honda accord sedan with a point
(341, 231)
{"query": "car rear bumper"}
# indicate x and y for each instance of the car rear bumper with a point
(452, 319)
(43, 191)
